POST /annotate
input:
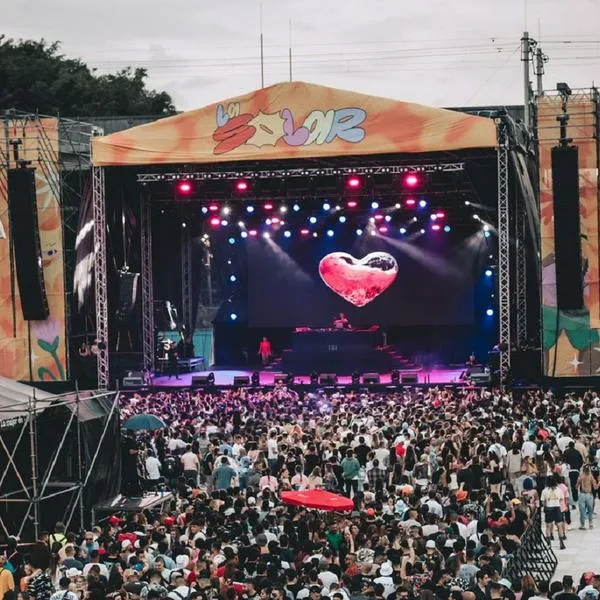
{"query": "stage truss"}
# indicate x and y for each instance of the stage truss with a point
(504, 246)
(148, 342)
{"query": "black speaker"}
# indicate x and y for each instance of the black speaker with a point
(567, 228)
(327, 379)
(128, 293)
(201, 381)
(475, 370)
(241, 380)
(371, 378)
(22, 206)
(281, 378)
(409, 378)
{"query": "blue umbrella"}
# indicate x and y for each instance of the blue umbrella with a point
(144, 422)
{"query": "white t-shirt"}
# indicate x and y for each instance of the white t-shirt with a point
(153, 467)
(552, 497)
(272, 449)
(190, 461)
(529, 449)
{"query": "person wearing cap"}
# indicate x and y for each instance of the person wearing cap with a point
(385, 579)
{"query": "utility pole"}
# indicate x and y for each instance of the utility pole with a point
(525, 58)
(262, 50)
(290, 50)
(540, 60)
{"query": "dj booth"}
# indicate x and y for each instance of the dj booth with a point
(340, 351)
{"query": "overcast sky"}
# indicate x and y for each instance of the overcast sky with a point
(438, 52)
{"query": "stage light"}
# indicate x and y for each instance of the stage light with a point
(184, 187)
(411, 180)
(268, 221)
(388, 218)
(250, 209)
(252, 232)
(371, 219)
(214, 221)
(383, 229)
(312, 220)
(296, 207)
(184, 224)
(342, 219)
(232, 278)
(204, 210)
(374, 205)
(266, 235)
(467, 203)
(287, 234)
(486, 227)
(241, 224)
(244, 234)
(441, 214)
(353, 182)
(433, 217)
(226, 210)
(326, 206)
(397, 205)
(241, 186)
(352, 204)
(378, 217)
(487, 234)
(233, 317)
(422, 231)
(304, 232)
(435, 227)
(315, 234)
(268, 206)
(283, 209)
(330, 233)
(410, 202)
(422, 203)
(488, 272)
(447, 228)
(414, 219)
(489, 312)
(373, 232)
(213, 207)
(275, 221)
(402, 230)
(359, 232)
(231, 241)
(476, 217)
(224, 223)
(338, 207)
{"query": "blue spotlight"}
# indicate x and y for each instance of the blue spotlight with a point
(422, 203)
(250, 209)
(489, 312)
(487, 234)
(244, 234)
(312, 220)
(326, 206)
(447, 228)
(287, 234)
(488, 272)
(359, 232)
(204, 210)
(233, 317)
(231, 240)
(342, 219)
(402, 230)
(296, 207)
(374, 205)
(388, 218)
(330, 233)
(232, 278)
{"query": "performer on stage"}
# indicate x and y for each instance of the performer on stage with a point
(172, 364)
(341, 322)
(265, 351)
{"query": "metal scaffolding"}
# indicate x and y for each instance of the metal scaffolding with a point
(147, 283)
(522, 333)
(504, 300)
(100, 276)
(186, 277)
(32, 489)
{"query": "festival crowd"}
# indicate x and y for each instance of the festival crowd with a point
(444, 483)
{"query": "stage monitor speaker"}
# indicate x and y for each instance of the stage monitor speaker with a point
(133, 381)
(409, 378)
(201, 381)
(371, 378)
(327, 379)
(281, 378)
(241, 380)
(567, 228)
(474, 370)
(22, 206)
(484, 377)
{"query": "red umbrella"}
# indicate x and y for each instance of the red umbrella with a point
(320, 499)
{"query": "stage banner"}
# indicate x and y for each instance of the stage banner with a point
(33, 350)
(571, 339)
(294, 120)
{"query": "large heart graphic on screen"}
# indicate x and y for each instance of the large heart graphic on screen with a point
(358, 281)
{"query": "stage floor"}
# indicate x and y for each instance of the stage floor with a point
(224, 377)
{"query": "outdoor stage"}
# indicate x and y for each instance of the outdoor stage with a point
(224, 377)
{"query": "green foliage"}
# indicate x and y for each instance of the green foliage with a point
(35, 76)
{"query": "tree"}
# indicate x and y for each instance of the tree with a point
(36, 77)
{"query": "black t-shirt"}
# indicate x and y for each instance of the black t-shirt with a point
(565, 596)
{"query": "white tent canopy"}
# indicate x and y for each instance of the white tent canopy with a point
(16, 399)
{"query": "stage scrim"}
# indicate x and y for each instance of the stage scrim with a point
(571, 339)
(295, 120)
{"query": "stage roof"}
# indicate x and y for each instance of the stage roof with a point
(294, 120)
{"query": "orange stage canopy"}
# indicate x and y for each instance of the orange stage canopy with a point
(294, 120)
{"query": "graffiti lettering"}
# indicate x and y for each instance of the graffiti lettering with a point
(346, 125)
(319, 125)
(293, 136)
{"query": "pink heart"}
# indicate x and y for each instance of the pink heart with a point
(358, 281)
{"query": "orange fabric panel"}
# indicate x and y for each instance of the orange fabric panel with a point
(294, 120)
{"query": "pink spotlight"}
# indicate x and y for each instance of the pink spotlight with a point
(184, 187)
(435, 227)
(214, 221)
(352, 204)
(378, 217)
(411, 180)
(268, 206)
(411, 202)
(213, 207)
(440, 214)
(252, 232)
(353, 182)
(304, 231)
(383, 229)
(241, 186)
(275, 221)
